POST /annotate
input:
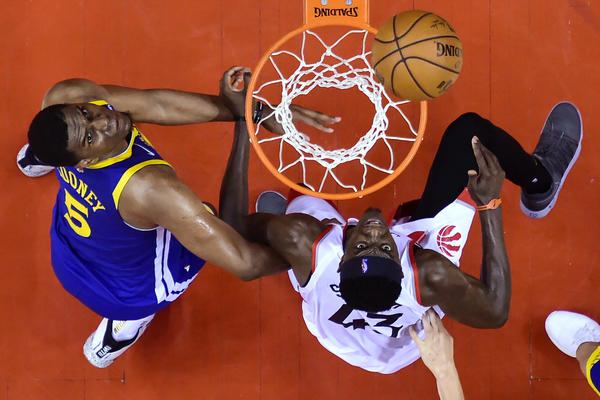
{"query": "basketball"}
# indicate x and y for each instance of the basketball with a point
(416, 55)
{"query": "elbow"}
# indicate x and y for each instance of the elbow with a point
(499, 321)
(250, 273)
(254, 269)
(497, 318)
(248, 276)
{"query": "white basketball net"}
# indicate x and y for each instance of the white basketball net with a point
(330, 71)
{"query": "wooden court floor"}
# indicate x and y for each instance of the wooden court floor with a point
(225, 339)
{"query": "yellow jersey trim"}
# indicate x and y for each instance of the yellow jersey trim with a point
(98, 102)
(129, 173)
(126, 154)
(208, 209)
(594, 358)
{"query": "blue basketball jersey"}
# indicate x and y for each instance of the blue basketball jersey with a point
(118, 271)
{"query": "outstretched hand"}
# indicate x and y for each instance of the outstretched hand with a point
(233, 86)
(437, 349)
(310, 117)
(313, 118)
(487, 184)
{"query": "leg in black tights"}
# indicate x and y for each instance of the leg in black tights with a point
(448, 174)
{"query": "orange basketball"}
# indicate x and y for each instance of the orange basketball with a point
(416, 55)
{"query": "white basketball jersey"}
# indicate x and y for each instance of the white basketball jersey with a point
(377, 342)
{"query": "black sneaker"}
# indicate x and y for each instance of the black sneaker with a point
(557, 151)
(30, 165)
(271, 202)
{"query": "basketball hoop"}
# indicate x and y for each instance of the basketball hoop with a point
(342, 64)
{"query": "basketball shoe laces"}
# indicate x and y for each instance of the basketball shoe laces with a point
(555, 152)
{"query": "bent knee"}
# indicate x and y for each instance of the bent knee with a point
(463, 128)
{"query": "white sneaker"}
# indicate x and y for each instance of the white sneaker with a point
(102, 350)
(29, 165)
(568, 330)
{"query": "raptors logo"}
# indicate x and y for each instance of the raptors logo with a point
(445, 237)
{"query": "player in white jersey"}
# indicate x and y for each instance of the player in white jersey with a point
(375, 341)
(364, 282)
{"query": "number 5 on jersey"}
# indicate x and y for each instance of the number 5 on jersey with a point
(75, 216)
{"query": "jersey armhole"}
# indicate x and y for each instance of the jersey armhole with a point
(129, 173)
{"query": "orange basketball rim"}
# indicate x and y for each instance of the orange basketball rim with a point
(320, 13)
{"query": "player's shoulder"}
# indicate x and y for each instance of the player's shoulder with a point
(300, 224)
(432, 267)
(155, 178)
(151, 193)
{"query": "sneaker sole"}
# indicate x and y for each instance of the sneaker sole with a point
(258, 200)
(88, 352)
(543, 212)
(32, 171)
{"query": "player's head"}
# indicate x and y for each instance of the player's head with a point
(370, 272)
(77, 134)
(48, 137)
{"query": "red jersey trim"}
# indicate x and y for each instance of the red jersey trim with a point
(413, 263)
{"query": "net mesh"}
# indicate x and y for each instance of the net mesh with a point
(330, 70)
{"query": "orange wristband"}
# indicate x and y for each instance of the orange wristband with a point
(492, 205)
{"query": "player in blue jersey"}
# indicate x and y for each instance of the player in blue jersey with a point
(127, 235)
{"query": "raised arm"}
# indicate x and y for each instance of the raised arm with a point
(484, 302)
(158, 106)
(168, 106)
(292, 235)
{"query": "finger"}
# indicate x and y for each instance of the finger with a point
(472, 182)
(430, 315)
(435, 320)
(238, 76)
(236, 84)
(319, 116)
(314, 123)
(233, 71)
(235, 68)
(230, 71)
(226, 79)
(414, 336)
(426, 325)
(442, 328)
(247, 77)
(479, 158)
(491, 159)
